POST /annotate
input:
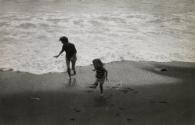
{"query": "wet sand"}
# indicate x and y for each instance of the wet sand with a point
(138, 93)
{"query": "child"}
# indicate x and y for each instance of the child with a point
(71, 51)
(101, 74)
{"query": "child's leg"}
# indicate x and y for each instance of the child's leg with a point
(96, 83)
(68, 66)
(73, 61)
(101, 86)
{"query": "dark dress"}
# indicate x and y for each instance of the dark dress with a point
(70, 50)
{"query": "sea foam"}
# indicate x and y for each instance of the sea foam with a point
(28, 43)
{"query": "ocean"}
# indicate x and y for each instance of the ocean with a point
(112, 30)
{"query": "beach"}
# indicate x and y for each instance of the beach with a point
(147, 46)
(137, 93)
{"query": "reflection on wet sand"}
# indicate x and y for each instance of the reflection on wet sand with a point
(71, 83)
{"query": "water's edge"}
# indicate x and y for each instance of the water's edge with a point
(179, 63)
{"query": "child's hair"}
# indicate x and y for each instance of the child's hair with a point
(97, 63)
(64, 39)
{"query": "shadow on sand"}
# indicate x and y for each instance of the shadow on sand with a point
(170, 104)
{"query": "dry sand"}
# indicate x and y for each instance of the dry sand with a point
(138, 93)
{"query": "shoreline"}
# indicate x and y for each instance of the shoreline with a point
(137, 93)
(169, 62)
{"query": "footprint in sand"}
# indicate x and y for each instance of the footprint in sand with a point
(89, 91)
(135, 92)
(76, 110)
(129, 120)
(92, 86)
(163, 102)
(114, 87)
(126, 90)
(72, 119)
(121, 108)
(117, 114)
(35, 98)
(111, 105)
(130, 89)
(109, 96)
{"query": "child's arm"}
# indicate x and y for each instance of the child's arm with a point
(62, 50)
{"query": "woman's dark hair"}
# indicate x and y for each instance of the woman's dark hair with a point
(64, 39)
(97, 63)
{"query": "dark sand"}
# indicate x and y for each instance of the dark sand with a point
(138, 93)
